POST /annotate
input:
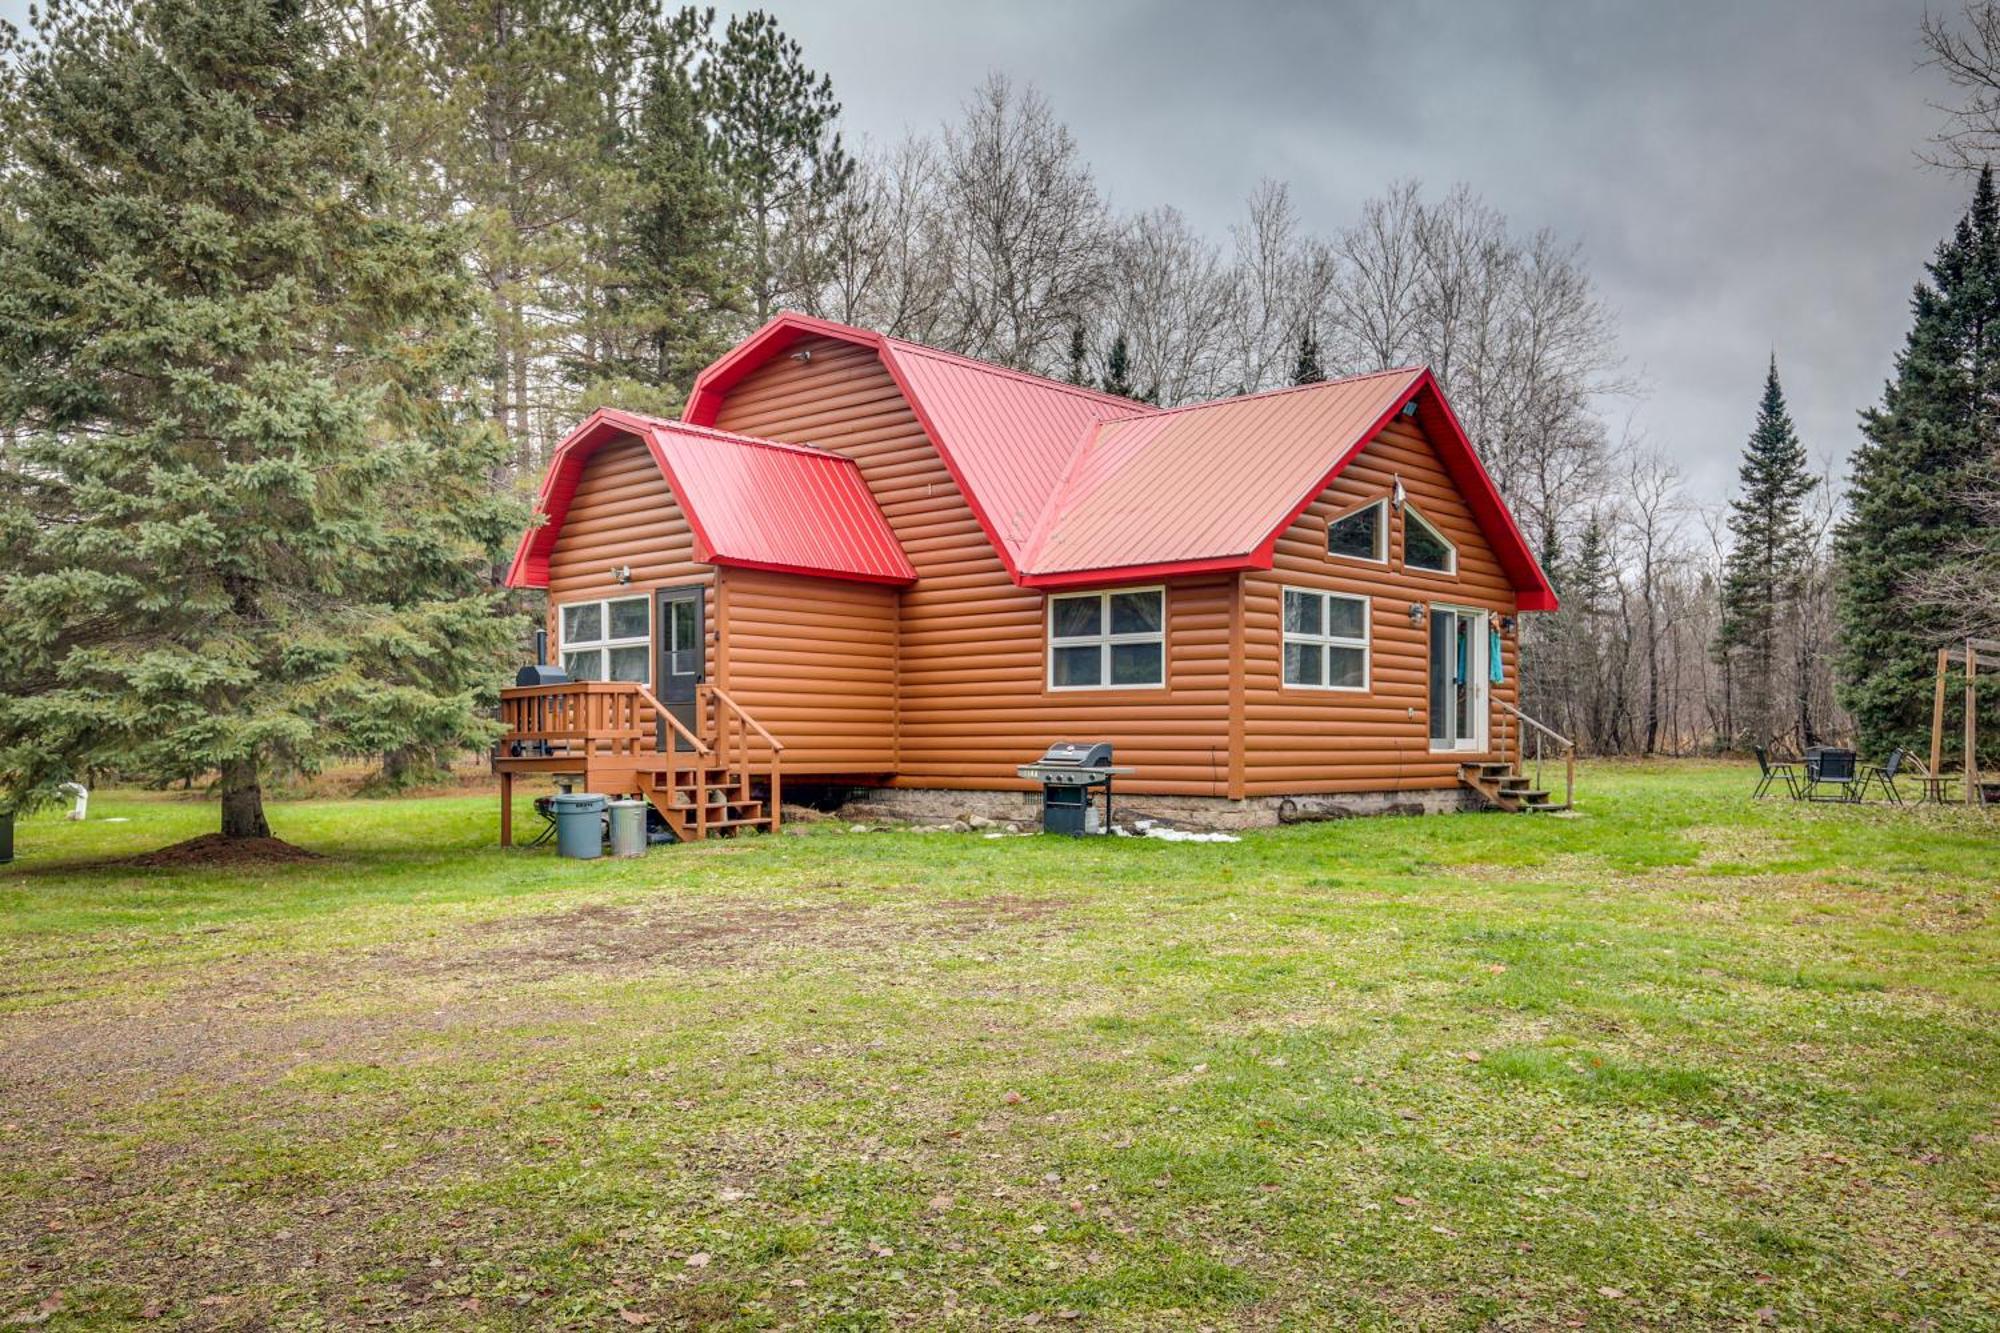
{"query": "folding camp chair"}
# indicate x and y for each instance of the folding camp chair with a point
(1771, 773)
(1884, 775)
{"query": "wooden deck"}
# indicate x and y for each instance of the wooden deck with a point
(616, 739)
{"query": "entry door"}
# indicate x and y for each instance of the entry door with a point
(681, 647)
(1458, 679)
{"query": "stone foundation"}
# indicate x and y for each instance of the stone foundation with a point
(979, 809)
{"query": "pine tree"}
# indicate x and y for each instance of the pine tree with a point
(775, 123)
(1909, 499)
(681, 285)
(244, 521)
(1307, 368)
(1767, 558)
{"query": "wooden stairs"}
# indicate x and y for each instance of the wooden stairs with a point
(617, 739)
(1503, 784)
(708, 801)
(1503, 787)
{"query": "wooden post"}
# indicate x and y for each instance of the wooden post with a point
(1972, 792)
(777, 795)
(506, 808)
(1937, 713)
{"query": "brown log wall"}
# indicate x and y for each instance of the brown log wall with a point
(1297, 740)
(814, 660)
(625, 514)
(972, 691)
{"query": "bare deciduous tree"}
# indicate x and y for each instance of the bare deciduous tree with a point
(1027, 229)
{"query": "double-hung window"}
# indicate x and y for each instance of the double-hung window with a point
(1326, 640)
(608, 640)
(1108, 640)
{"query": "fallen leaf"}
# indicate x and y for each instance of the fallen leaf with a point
(942, 1202)
(1767, 1314)
(1473, 1057)
(1496, 968)
(699, 1259)
(1611, 1293)
(634, 1318)
(1406, 1201)
(1012, 1099)
(151, 1310)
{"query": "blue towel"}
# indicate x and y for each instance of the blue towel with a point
(1496, 666)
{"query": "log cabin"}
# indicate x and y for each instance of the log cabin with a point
(858, 562)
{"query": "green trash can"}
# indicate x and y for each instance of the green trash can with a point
(6, 836)
(579, 824)
(628, 827)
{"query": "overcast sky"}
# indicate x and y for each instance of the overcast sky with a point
(1742, 176)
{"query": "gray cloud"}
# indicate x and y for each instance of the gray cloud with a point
(1742, 176)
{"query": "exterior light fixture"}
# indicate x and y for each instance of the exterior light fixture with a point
(1506, 624)
(1416, 613)
(803, 356)
(623, 573)
(1397, 495)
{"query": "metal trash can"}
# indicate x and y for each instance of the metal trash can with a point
(579, 824)
(6, 836)
(628, 827)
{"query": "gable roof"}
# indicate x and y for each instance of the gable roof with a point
(1076, 487)
(1005, 436)
(753, 503)
(1214, 485)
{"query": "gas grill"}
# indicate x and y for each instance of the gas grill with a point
(1070, 773)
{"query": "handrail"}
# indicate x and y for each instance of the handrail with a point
(666, 715)
(722, 697)
(1538, 725)
(1568, 750)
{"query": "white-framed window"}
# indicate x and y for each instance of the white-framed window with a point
(610, 639)
(1362, 534)
(1424, 547)
(1326, 640)
(1111, 640)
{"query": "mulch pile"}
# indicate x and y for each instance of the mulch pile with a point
(212, 849)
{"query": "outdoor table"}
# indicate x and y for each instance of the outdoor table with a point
(1834, 766)
(1935, 785)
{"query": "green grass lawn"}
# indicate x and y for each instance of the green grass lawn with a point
(1682, 1061)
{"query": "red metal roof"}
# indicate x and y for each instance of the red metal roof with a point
(1073, 486)
(752, 503)
(1215, 485)
(1006, 436)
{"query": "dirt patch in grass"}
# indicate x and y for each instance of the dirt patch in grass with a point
(212, 850)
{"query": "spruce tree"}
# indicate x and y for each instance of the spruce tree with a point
(1118, 367)
(244, 519)
(1767, 559)
(1307, 368)
(1079, 370)
(1118, 372)
(1910, 495)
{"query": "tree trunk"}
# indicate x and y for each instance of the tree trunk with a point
(242, 801)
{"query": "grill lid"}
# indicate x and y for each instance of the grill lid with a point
(1077, 754)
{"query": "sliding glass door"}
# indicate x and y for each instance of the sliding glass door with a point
(1458, 668)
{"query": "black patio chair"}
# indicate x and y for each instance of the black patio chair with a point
(1883, 775)
(1771, 773)
(1832, 766)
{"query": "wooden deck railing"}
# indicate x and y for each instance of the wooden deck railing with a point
(733, 731)
(1517, 731)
